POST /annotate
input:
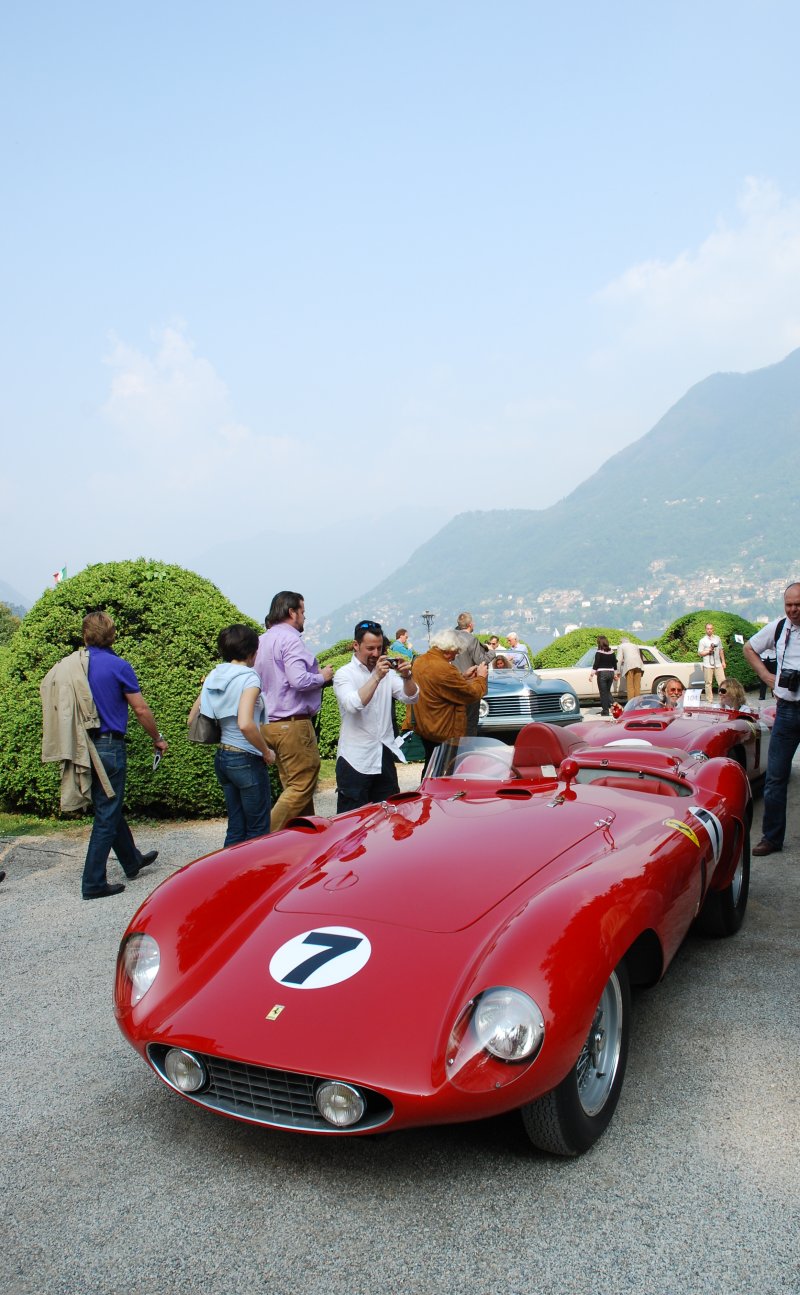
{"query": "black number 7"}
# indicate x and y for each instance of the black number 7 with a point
(333, 946)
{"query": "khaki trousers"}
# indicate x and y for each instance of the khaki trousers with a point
(297, 757)
(633, 682)
(709, 673)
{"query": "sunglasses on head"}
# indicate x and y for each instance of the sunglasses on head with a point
(372, 626)
(723, 692)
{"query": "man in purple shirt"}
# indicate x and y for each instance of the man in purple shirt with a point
(292, 682)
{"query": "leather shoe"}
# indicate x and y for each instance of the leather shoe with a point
(108, 889)
(147, 859)
(765, 847)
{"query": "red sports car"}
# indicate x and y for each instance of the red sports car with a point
(704, 729)
(447, 955)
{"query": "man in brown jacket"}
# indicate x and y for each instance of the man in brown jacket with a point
(440, 714)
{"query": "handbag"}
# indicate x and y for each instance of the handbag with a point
(204, 729)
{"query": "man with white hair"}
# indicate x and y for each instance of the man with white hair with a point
(520, 650)
(440, 714)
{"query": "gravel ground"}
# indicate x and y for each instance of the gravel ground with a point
(111, 1183)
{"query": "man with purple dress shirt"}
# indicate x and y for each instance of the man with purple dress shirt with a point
(292, 682)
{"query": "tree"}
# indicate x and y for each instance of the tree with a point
(9, 623)
(167, 623)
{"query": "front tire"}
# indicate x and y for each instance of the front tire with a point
(723, 910)
(570, 1118)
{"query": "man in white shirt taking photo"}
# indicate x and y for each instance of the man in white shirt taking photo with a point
(366, 690)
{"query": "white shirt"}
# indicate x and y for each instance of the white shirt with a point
(712, 660)
(787, 652)
(366, 730)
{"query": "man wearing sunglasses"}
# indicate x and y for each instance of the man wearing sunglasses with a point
(783, 637)
(366, 690)
(673, 692)
(292, 681)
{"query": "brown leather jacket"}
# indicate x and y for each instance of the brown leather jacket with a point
(440, 714)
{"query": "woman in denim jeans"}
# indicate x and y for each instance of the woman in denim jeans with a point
(232, 695)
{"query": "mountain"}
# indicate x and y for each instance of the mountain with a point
(709, 494)
(12, 597)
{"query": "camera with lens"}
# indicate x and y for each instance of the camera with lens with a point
(395, 661)
(789, 679)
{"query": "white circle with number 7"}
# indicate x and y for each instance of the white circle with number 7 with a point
(318, 958)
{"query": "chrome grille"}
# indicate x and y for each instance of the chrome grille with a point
(277, 1097)
(529, 705)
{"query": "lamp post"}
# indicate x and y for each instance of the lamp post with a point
(429, 618)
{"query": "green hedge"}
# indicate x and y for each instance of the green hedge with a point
(569, 648)
(167, 623)
(681, 639)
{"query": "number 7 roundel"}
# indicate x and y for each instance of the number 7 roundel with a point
(320, 958)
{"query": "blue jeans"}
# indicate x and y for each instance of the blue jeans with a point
(109, 830)
(783, 743)
(357, 789)
(244, 780)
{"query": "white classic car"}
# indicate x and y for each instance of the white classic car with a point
(657, 668)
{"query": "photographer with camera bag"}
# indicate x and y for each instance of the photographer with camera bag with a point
(784, 636)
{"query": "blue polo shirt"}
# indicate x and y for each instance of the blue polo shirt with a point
(110, 678)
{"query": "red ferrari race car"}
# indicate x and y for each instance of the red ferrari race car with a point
(701, 729)
(446, 955)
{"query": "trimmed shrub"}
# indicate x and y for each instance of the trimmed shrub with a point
(167, 623)
(681, 639)
(568, 649)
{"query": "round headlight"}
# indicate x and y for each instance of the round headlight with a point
(340, 1104)
(483, 708)
(141, 959)
(568, 702)
(508, 1024)
(185, 1071)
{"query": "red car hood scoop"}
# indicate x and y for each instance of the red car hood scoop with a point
(434, 865)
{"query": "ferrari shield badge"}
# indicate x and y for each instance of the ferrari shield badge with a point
(678, 826)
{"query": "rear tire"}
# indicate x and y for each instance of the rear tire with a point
(723, 911)
(570, 1118)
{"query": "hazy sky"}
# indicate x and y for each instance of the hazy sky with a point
(265, 264)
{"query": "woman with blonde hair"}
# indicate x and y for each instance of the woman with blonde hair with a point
(732, 695)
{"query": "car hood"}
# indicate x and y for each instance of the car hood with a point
(501, 681)
(450, 874)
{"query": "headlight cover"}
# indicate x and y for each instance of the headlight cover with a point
(141, 959)
(568, 702)
(508, 1024)
(483, 708)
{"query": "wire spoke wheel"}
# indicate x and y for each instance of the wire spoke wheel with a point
(597, 1065)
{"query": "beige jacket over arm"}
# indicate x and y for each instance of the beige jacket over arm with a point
(68, 710)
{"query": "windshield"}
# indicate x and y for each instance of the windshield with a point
(473, 757)
(511, 659)
(648, 701)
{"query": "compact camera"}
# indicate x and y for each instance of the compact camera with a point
(789, 679)
(395, 661)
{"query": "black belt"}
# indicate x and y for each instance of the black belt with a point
(287, 719)
(114, 733)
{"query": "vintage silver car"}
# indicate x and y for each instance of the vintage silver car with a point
(518, 694)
